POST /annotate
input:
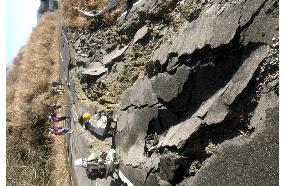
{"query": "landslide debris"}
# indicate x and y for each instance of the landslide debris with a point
(124, 48)
(187, 80)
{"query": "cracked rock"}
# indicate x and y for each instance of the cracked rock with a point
(238, 161)
(168, 86)
(141, 94)
(239, 82)
(215, 26)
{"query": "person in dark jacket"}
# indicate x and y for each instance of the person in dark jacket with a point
(56, 91)
(56, 106)
(56, 83)
(99, 166)
(60, 131)
(56, 118)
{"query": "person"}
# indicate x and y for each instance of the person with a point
(100, 123)
(99, 167)
(96, 123)
(60, 131)
(56, 83)
(57, 118)
(56, 91)
(56, 106)
(85, 120)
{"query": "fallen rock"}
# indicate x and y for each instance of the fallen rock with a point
(216, 108)
(170, 164)
(142, 175)
(265, 25)
(95, 69)
(239, 82)
(140, 33)
(113, 55)
(161, 8)
(131, 147)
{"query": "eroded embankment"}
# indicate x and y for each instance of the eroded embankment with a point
(193, 83)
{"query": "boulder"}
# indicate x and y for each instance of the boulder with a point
(107, 59)
(95, 69)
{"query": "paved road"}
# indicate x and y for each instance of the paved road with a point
(76, 145)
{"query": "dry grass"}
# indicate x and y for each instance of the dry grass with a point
(60, 172)
(35, 66)
(28, 147)
(73, 18)
(59, 154)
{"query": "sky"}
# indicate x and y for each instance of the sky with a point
(21, 17)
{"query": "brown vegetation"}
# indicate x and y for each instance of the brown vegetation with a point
(59, 157)
(28, 145)
(73, 18)
(31, 153)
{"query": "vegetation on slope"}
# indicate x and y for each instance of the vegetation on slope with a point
(74, 19)
(28, 146)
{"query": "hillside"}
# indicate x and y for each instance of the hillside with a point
(30, 151)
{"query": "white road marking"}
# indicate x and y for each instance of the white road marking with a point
(64, 36)
(76, 118)
(61, 57)
(124, 179)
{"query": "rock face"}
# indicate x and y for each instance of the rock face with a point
(195, 89)
(200, 116)
(239, 161)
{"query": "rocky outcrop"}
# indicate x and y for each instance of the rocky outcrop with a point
(240, 160)
(195, 87)
(202, 100)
